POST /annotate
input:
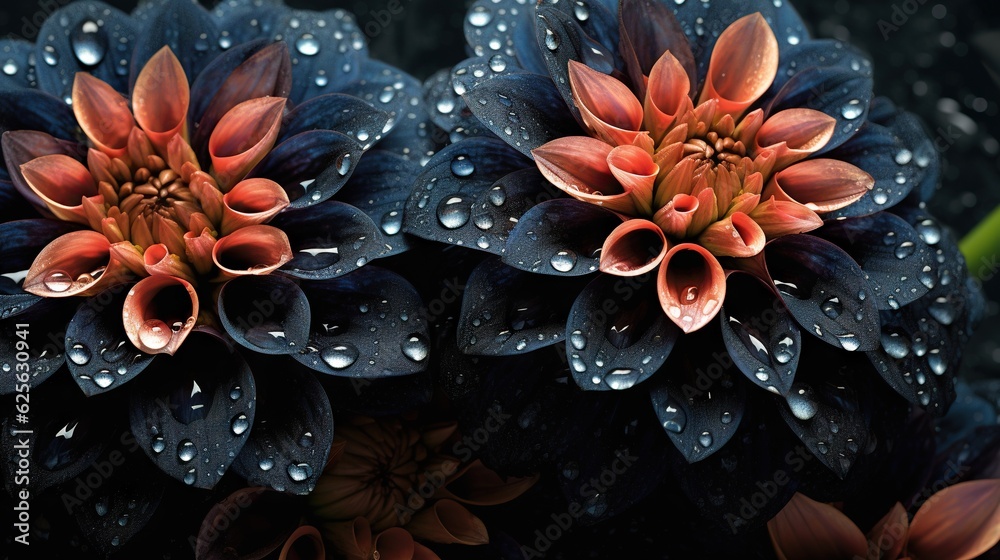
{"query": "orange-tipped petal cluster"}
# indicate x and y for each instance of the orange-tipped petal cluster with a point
(154, 214)
(698, 181)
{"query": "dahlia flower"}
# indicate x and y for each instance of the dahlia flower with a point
(702, 194)
(183, 190)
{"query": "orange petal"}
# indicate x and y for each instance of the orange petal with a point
(735, 236)
(677, 181)
(793, 134)
(781, 217)
(887, 538)
(959, 522)
(743, 65)
(578, 165)
(62, 183)
(691, 286)
(304, 544)
(199, 248)
(159, 313)
(103, 114)
(608, 108)
(666, 95)
(352, 539)
(157, 259)
(706, 212)
(161, 97)
(206, 190)
(251, 201)
(809, 530)
(822, 185)
(130, 256)
(243, 137)
(636, 172)
(394, 544)
(78, 263)
(481, 486)
(448, 522)
(745, 203)
(633, 248)
(181, 158)
(252, 250)
(675, 218)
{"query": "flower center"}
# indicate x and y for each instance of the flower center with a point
(155, 192)
(714, 149)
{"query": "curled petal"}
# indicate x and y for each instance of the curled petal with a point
(793, 134)
(666, 95)
(887, 538)
(691, 286)
(252, 250)
(743, 65)
(157, 259)
(130, 256)
(243, 137)
(608, 108)
(353, 539)
(448, 522)
(78, 263)
(161, 97)
(677, 181)
(706, 212)
(482, 486)
(636, 172)
(578, 165)
(304, 544)
(159, 313)
(206, 190)
(251, 201)
(821, 185)
(735, 236)
(960, 522)
(181, 158)
(62, 183)
(103, 114)
(807, 529)
(633, 248)
(781, 217)
(675, 218)
(393, 544)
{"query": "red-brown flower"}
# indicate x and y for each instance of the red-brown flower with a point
(696, 181)
(153, 212)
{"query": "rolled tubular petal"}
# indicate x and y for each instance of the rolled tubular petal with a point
(252, 201)
(305, 543)
(675, 218)
(62, 183)
(353, 539)
(822, 185)
(78, 263)
(807, 529)
(243, 137)
(448, 522)
(960, 522)
(161, 97)
(103, 114)
(157, 259)
(578, 165)
(743, 65)
(205, 189)
(691, 286)
(781, 217)
(393, 544)
(666, 95)
(793, 134)
(633, 248)
(159, 313)
(888, 536)
(735, 236)
(636, 172)
(609, 109)
(481, 486)
(130, 256)
(254, 250)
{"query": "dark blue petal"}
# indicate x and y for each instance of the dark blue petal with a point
(28, 109)
(342, 113)
(524, 110)
(186, 28)
(448, 109)
(122, 505)
(824, 290)
(379, 397)
(760, 334)
(327, 48)
(267, 314)
(491, 27)
(329, 240)
(900, 267)
(38, 332)
(698, 399)
(17, 57)
(415, 136)
(506, 311)
(367, 324)
(311, 166)
(379, 187)
(192, 412)
(597, 20)
(497, 211)
(387, 88)
(87, 36)
(617, 334)
(913, 136)
(827, 406)
(287, 451)
(561, 237)
(440, 207)
(244, 20)
(99, 354)
(649, 29)
(819, 53)
(560, 40)
(20, 243)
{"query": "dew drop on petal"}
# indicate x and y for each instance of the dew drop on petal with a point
(801, 402)
(240, 424)
(480, 16)
(462, 166)
(89, 46)
(415, 347)
(563, 261)
(186, 451)
(852, 109)
(340, 356)
(299, 471)
(155, 334)
(58, 281)
(307, 45)
(452, 212)
(79, 354)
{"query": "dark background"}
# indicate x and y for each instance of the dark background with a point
(940, 60)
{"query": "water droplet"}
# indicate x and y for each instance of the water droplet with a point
(392, 222)
(673, 418)
(235, 393)
(570, 470)
(852, 109)
(801, 402)
(101, 507)
(445, 105)
(79, 354)
(104, 379)
(578, 340)
(240, 424)
(340, 356)
(189, 478)
(929, 231)
(343, 164)
(705, 439)
(880, 197)
(462, 166)
(266, 464)
(903, 157)
(416, 348)
(689, 294)
(551, 40)
(832, 307)
(88, 44)
(762, 375)
(154, 334)
(581, 11)
(299, 471)
(307, 45)
(50, 56)
(480, 16)
(498, 63)
(10, 67)
(896, 345)
(306, 440)
(563, 261)
(483, 221)
(498, 196)
(905, 249)
(58, 281)
(849, 342)
(186, 450)
(727, 418)
(453, 212)
(158, 445)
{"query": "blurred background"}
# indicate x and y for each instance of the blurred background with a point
(940, 60)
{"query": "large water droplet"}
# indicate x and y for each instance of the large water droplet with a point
(340, 356)
(852, 109)
(266, 464)
(158, 445)
(50, 56)
(705, 439)
(154, 334)
(832, 307)
(896, 345)
(551, 40)
(905, 249)
(89, 45)
(186, 450)
(453, 212)
(462, 166)
(104, 379)
(673, 418)
(299, 471)
(79, 354)
(581, 11)
(480, 16)
(415, 347)
(240, 424)
(307, 45)
(58, 281)
(801, 402)
(578, 340)
(563, 261)
(392, 222)
(445, 105)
